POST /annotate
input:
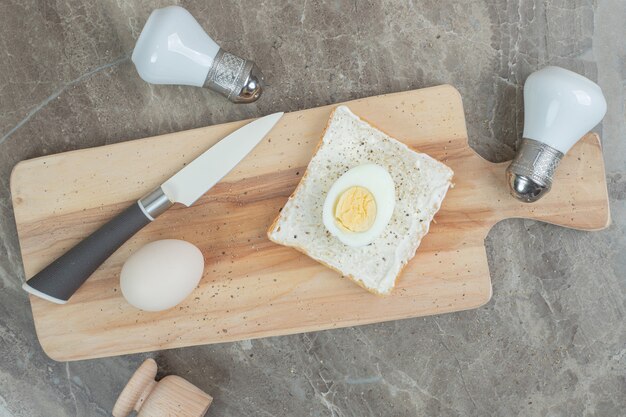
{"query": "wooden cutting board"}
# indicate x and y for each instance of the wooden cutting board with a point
(251, 287)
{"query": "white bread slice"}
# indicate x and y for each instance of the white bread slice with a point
(421, 184)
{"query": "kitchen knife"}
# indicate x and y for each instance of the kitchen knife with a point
(59, 281)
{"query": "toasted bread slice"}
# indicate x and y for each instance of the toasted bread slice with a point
(421, 184)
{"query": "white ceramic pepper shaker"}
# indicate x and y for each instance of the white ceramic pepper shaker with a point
(174, 49)
(560, 106)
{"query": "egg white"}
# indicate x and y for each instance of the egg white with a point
(377, 181)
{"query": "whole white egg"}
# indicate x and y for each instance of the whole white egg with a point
(359, 205)
(161, 274)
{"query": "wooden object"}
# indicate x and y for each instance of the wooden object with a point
(171, 396)
(251, 287)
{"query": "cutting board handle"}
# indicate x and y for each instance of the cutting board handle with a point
(580, 175)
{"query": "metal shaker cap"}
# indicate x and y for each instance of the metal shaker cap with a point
(238, 79)
(530, 173)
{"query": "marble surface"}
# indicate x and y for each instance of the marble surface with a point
(551, 342)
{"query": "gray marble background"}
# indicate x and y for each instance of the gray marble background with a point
(552, 341)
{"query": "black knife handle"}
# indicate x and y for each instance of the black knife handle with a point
(59, 280)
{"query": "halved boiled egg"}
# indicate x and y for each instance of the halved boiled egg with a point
(359, 205)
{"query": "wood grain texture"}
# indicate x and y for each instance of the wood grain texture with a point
(171, 396)
(137, 389)
(251, 287)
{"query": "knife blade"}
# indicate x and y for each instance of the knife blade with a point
(59, 281)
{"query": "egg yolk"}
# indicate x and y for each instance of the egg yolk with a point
(355, 210)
